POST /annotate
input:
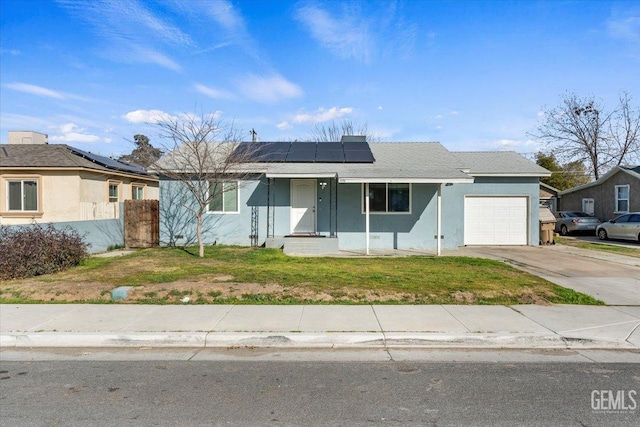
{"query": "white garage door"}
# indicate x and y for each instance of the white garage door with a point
(495, 221)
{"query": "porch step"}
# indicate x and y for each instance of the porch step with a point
(310, 245)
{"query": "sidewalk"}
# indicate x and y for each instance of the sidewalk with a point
(320, 326)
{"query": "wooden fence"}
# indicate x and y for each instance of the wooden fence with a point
(141, 223)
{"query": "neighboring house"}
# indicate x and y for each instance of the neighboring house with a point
(352, 195)
(548, 197)
(615, 193)
(42, 183)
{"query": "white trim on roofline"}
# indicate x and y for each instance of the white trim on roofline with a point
(300, 175)
(511, 174)
(405, 180)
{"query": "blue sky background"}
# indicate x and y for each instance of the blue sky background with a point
(474, 75)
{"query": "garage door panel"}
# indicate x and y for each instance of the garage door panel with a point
(495, 221)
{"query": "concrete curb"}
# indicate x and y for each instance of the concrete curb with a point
(301, 340)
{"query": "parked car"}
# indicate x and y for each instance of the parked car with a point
(571, 221)
(625, 226)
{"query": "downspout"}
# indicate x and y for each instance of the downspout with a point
(366, 216)
(439, 221)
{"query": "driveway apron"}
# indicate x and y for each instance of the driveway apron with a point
(611, 278)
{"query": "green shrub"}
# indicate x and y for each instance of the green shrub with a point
(35, 250)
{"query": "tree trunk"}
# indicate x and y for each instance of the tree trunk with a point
(199, 232)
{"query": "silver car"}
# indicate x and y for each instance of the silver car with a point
(571, 221)
(625, 226)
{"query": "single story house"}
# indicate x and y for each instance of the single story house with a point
(615, 193)
(352, 195)
(42, 183)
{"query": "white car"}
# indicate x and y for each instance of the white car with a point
(625, 226)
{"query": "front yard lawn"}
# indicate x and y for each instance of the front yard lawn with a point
(235, 275)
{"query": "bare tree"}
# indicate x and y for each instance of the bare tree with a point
(202, 158)
(334, 131)
(582, 129)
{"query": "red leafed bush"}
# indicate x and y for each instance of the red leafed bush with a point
(35, 250)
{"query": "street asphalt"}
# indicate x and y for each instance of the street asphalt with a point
(615, 279)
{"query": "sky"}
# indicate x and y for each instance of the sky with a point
(473, 75)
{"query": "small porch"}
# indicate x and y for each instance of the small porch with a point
(310, 202)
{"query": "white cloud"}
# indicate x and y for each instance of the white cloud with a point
(625, 28)
(213, 93)
(348, 37)
(439, 116)
(152, 56)
(36, 90)
(70, 132)
(227, 16)
(454, 113)
(269, 89)
(133, 31)
(13, 52)
(379, 107)
(283, 125)
(322, 115)
(147, 116)
(515, 145)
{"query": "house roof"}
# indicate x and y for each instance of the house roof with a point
(549, 188)
(633, 171)
(428, 162)
(46, 156)
(394, 161)
(499, 163)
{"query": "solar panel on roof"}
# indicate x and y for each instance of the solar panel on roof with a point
(330, 156)
(108, 163)
(356, 146)
(359, 156)
(307, 152)
(303, 146)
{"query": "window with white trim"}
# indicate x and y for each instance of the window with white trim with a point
(22, 195)
(114, 190)
(388, 198)
(622, 198)
(588, 206)
(137, 192)
(225, 197)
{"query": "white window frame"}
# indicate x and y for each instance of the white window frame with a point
(593, 205)
(617, 210)
(135, 187)
(362, 197)
(117, 184)
(224, 195)
(22, 181)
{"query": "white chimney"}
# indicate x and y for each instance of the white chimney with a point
(27, 137)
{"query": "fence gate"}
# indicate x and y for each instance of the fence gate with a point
(141, 223)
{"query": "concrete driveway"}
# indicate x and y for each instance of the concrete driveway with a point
(612, 278)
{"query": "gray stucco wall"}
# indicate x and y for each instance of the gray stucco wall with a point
(99, 234)
(178, 222)
(453, 204)
(402, 231)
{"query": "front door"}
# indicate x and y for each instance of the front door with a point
(303, 206)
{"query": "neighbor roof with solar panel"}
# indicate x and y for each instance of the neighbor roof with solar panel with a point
(306, 152)
(60, 156)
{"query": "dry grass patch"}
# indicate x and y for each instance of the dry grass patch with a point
(266, 276)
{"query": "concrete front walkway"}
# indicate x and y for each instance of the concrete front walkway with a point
(328, 326)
